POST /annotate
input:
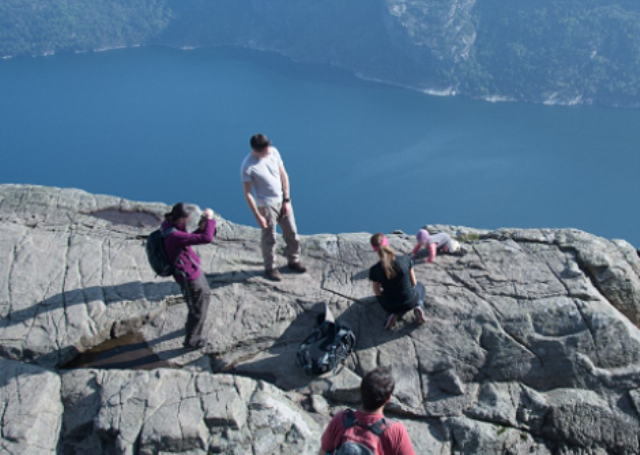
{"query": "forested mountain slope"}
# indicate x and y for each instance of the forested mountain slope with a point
(555, 51)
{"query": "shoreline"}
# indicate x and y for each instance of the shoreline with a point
(553, 99)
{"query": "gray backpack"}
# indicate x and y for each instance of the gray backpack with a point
(356, 448)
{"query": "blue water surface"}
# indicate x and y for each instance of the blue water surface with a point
(159, 124)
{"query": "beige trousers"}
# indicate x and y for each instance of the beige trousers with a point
(287, 223)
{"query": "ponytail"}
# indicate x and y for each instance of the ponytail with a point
(385, 253)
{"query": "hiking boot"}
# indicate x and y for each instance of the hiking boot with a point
(297, 267)
(201, 343)
(390, 322)
(419, 315)
(273, 274)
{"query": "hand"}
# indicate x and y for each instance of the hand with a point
(286, 208)
(262, 221)
(208, 214)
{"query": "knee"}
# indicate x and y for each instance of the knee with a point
(291, 237)
(269, 241)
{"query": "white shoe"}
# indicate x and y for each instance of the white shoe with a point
(455, 246)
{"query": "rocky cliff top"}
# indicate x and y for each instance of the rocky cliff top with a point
(531, 344)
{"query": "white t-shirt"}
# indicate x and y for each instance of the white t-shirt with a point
(264, 175)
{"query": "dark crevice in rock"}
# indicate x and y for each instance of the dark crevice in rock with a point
(587, 270)
(13, 259)
(135, 219)
(3, 423)
(502, 423)
(344, 296)
(587, 324)
(423, 387)
(63, 293)
(521, 343)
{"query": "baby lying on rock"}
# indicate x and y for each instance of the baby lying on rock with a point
(437, 243)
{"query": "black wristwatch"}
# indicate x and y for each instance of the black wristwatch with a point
(287, 199)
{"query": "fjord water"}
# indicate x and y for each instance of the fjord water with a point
(158, 124)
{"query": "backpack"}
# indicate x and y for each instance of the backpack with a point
(157, 255)
(326, 348)
(356, 448)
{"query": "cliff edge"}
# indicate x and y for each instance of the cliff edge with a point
(531, 345)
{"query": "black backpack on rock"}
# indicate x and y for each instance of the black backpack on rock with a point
(356, 448)
(156, 253)
(328, 347)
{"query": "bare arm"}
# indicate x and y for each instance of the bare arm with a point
(286, 191)
(262, 222)
(412, 277)
(432, 251)
(285, 182)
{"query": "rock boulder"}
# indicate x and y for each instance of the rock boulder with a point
(531, 344)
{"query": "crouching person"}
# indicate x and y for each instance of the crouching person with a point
(351, 431)
(187, 271)
(394, 283)
(437, 243)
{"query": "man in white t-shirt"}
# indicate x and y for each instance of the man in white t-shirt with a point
(263, 174)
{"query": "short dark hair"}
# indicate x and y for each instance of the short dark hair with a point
(259, 142)
(178, 211)
(376, 388)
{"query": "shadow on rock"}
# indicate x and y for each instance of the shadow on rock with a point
(276, 363)
(152, 292)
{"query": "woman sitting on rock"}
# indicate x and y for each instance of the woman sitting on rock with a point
(436, 243)
(394, 283)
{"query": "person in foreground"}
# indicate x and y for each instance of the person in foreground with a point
(436, 243)
(187, 271)
(367, 426)
(394, 283)
(263, 173)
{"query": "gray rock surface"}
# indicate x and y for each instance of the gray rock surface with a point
(30, 409)
(531, 344)
(181, 412)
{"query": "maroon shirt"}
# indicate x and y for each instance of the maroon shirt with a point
(179, 243)
(394, 441)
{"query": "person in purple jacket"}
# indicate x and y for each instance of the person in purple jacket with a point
(188, 273)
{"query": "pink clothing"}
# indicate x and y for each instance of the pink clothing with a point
(385, 242)
(433, 247)
(394, 441)
(434, 242)
(422, 236)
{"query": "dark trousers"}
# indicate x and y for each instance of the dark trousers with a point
(401, 308)
(197, 294)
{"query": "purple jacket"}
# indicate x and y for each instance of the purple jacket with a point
(179, 243)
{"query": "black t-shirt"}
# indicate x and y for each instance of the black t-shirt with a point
(399, 288)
